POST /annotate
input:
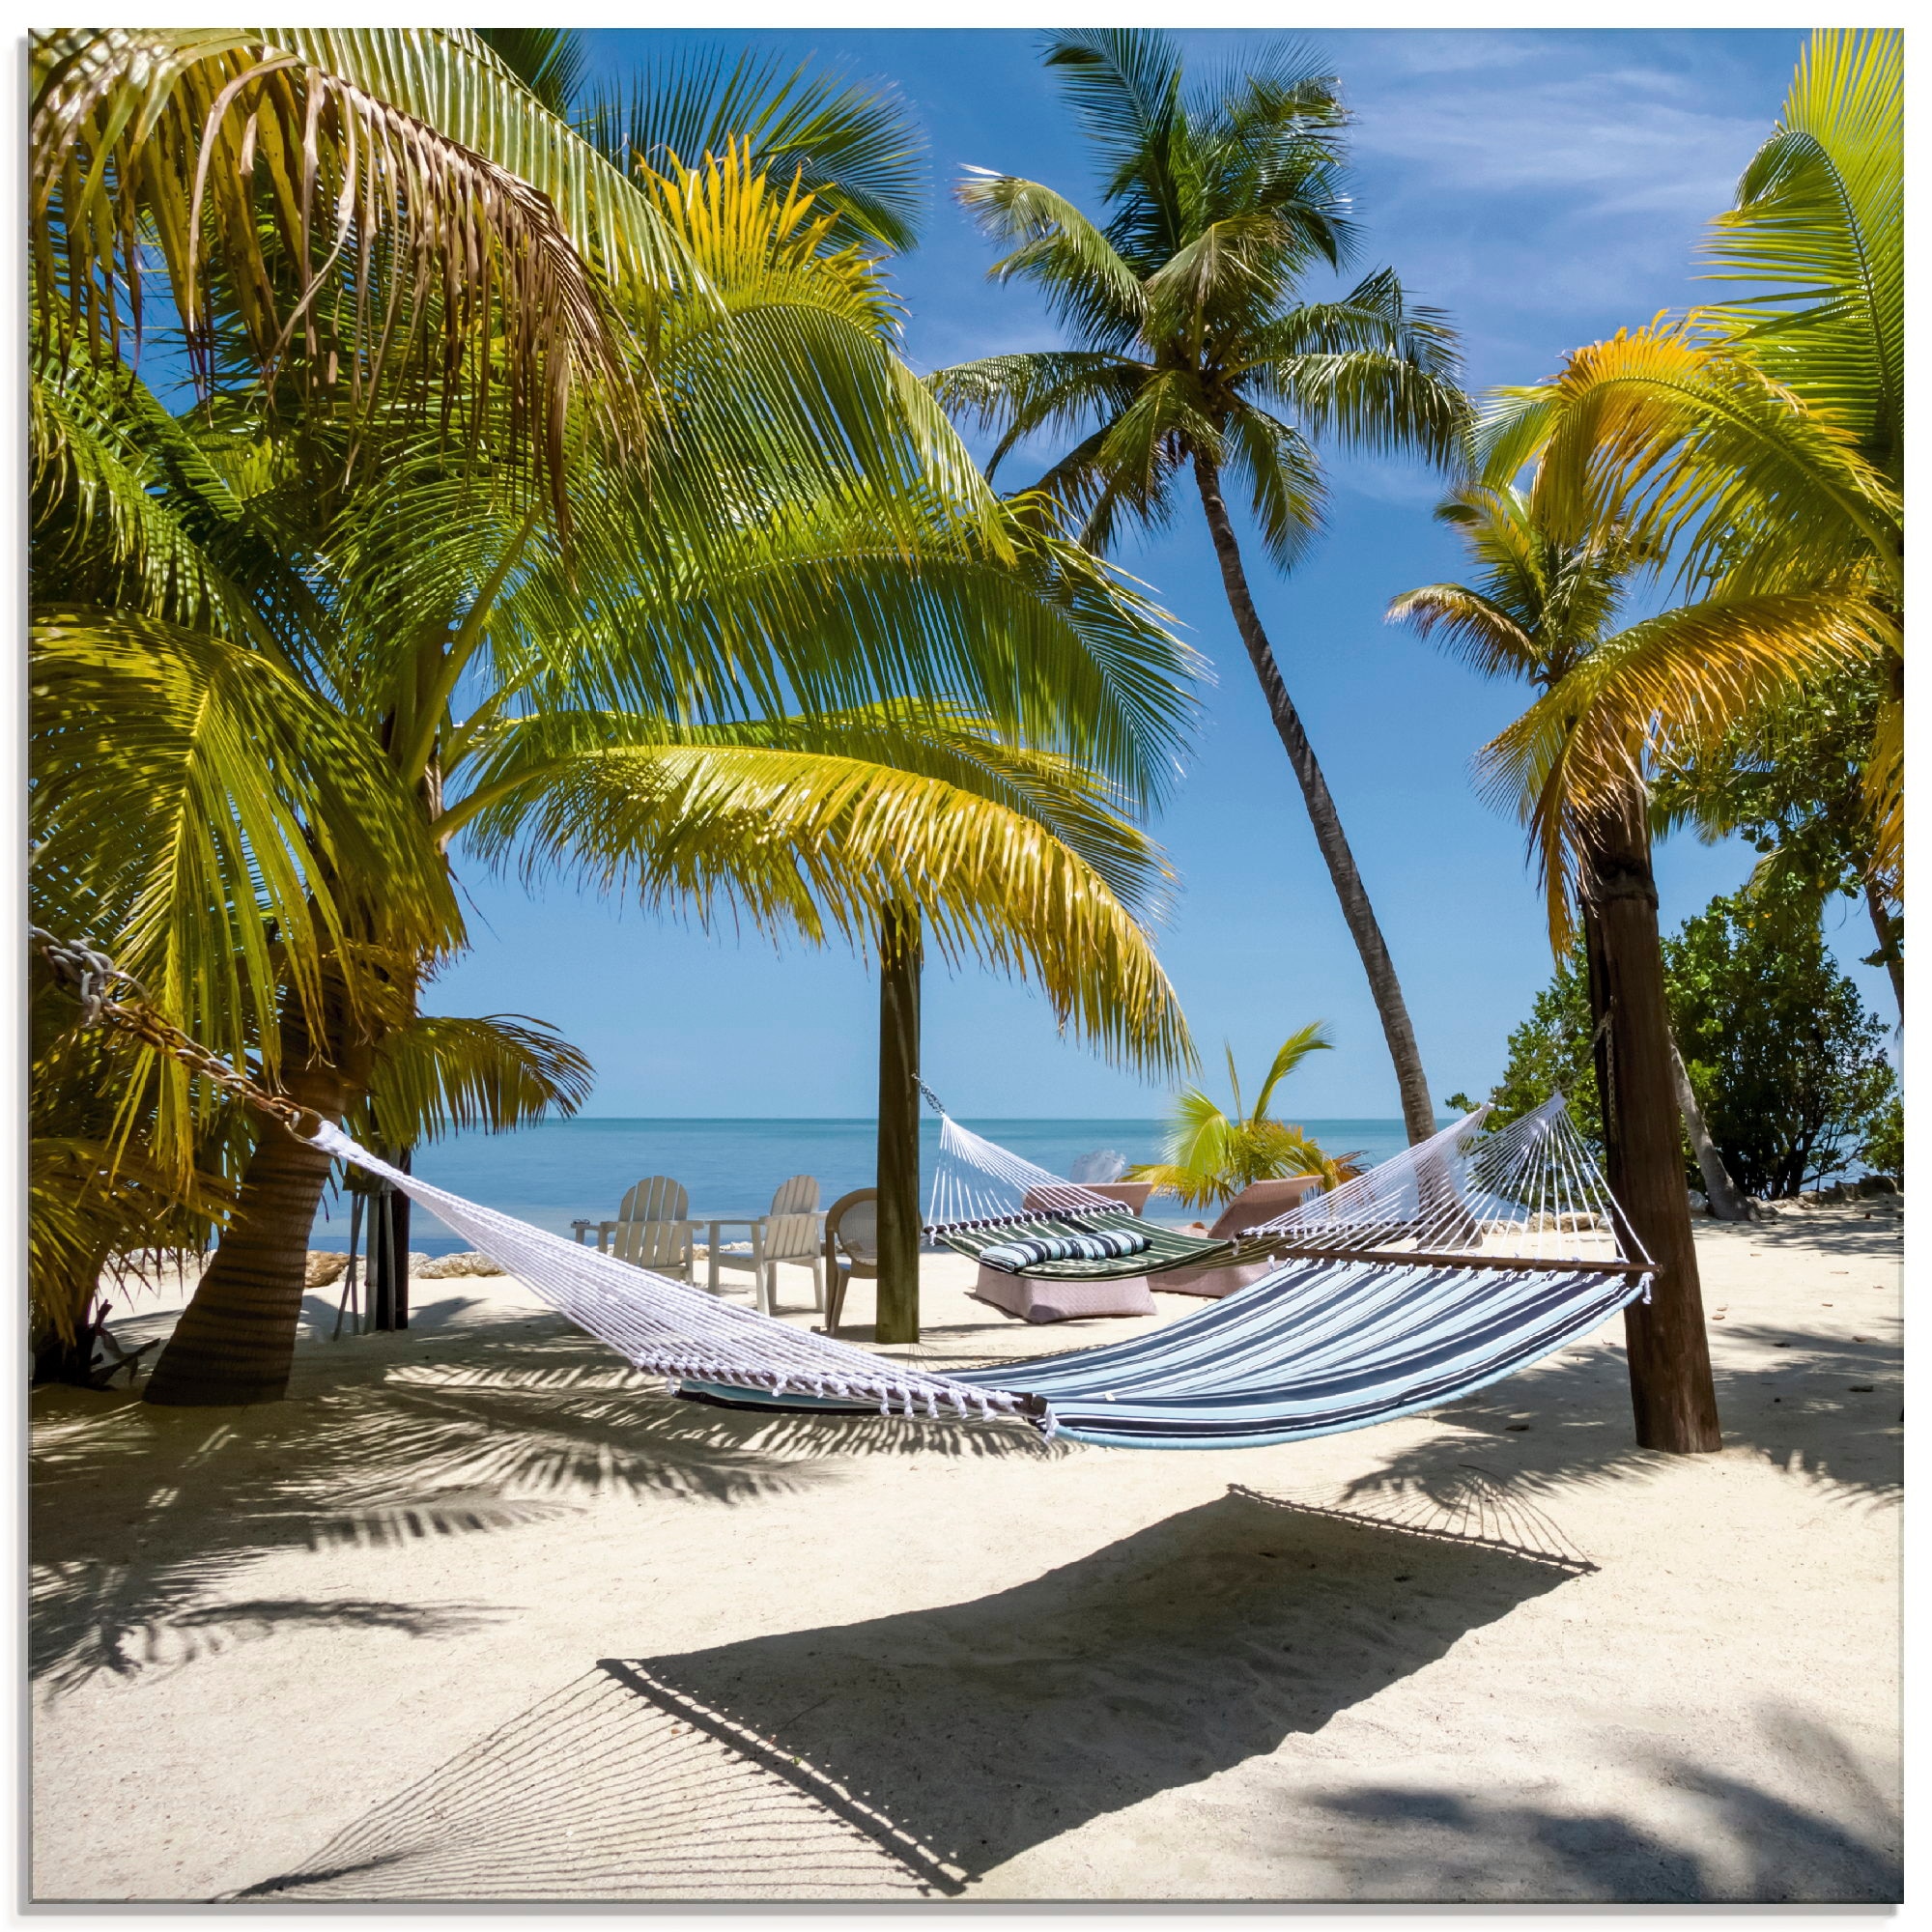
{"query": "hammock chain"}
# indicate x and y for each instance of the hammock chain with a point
(90, 974)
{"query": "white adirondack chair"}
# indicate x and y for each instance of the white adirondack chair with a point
(787, 1232)
(651, 1230)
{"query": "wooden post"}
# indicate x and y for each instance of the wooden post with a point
(389, 1273)
(900, 951)
(1671, 1391)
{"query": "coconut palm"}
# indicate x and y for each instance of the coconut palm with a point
(1756, 448)
(1543, 611)
(1212, 1155)
(1199, 347)
(1540, 609)
(668, 661)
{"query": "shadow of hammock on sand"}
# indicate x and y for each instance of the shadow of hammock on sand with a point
(916, 1753)
(511, 1425)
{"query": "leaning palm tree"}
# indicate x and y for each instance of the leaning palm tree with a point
(792, 548)
(1212, 1154)
(1540, 609)
(1198, 348)
(1543, 610)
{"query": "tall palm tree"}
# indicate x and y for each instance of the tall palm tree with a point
(1542, 609)
(1198, 348)
(662, 659)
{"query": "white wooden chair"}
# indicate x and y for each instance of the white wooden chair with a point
(787, 1232)
(651, 1230)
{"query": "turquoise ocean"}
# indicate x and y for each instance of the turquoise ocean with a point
(562, 1171)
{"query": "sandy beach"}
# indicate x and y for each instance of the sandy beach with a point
(480, 1614)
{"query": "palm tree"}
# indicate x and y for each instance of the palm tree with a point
(1540, 609)
(1542, 612)
(1198, 348)
(679, 660)
(1212, 1155)
(1756, 448)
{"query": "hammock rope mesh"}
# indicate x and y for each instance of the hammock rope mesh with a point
(1459, 1261)
(978, 1183)
(1528, 1191)
(670, 1328)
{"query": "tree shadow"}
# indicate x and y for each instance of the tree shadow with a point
(950, 1739)
(1870, 1233)
(1843, 1845)
(144, 1519)
(1821, 1406)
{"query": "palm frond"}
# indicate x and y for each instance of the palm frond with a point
(1818, 239)
(1293, 1051)
(443, 1075)
(212, 823)
(382, 208)
(818, 843)
(853, 148)
(548, 60)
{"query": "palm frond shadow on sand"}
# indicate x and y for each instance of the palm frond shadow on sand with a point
(511, 1423)
(945, 1740)
(1823, 1408)
(1842, 1844)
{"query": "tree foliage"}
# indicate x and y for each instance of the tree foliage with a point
(1787, 1063)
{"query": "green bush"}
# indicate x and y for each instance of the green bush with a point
(1788, 1065)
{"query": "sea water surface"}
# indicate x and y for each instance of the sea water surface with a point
(562, 1171)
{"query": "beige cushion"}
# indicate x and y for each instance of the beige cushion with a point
(1261, 1200)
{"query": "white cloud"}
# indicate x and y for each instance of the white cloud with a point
(1616, 143)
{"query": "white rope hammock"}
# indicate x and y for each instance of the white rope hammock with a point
(669, 1329)
(978, 1183)
(1528, 1191)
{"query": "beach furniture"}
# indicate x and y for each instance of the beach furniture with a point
(1062, 1300)
(651, 1230)
(1259, 1202)
(851, 1249)
(1013, 1218)
(788, 1232)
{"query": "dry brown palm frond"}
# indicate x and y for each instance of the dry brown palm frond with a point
(355, 247)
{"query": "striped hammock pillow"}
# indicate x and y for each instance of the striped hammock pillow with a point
(1023, 1251)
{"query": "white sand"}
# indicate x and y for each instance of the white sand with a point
(478, 1614)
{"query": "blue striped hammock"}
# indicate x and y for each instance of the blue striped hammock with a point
(1455, 1263)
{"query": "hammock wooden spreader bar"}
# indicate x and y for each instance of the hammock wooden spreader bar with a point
(1353, 1334)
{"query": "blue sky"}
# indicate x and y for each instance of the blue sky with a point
(1547, 188)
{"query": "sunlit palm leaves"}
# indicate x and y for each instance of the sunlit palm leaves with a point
(817, 825)
(1212, 1154)
(852, 148)
(383, 210)
(439, 1075)
(1757, 446)
(221, 830)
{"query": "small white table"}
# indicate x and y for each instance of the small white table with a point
(713, 1223)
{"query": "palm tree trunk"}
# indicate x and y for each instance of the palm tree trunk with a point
(1728, 1202)
(1418, 1112)
(901, 954)
(1671, 1391)
(1886, 928)
(235, 1341)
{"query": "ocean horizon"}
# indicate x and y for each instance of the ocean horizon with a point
(560, 1171)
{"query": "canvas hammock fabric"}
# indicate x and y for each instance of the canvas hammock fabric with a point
(1456, 1262)
(1461, 1261)
(986, 1198)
